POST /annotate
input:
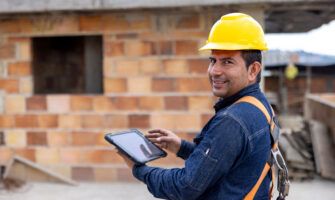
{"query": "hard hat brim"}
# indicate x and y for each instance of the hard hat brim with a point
(231, 46)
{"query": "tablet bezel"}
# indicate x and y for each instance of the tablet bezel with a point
(109, 138)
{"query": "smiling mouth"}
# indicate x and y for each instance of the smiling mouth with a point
(219, 82)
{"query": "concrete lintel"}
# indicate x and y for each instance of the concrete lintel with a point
(27, 6)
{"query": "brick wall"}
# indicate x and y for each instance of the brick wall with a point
(153, 76)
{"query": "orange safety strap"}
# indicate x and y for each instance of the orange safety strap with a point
(267, 167)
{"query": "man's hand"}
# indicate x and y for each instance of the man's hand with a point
(129, 163)
(165, 139)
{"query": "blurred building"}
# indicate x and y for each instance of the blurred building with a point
(315, 74)
(71, 71)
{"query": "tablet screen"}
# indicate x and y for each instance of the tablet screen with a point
(136, 145)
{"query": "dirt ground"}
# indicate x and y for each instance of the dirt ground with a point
(308, 190)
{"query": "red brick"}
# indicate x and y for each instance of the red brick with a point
(116, 121)
(15, 104)
(103, 104)
(176, 103)
(19, 69)
(122, 36)
(101, 156)
(113, 49)
(205, 118)
(188, 21)
(115, 85)
(58, 138)
(69, 121)
(9, 85)
(47, 155)
(138, 48)
(90, 23)
(150, 66)
(139, 85)
(163, 85)
(5, 155)
(126, 22)
(36, 103)
(92, 121)
(6, 121)
(175, 67)
(125, 103)
(7, 51)
(27, 153)
(165, 47)
(151, 103)
(47, 121)
(26, 121)
(199, 84)
(81, 103)
(200, 103)
(127, 67)
(187, 47)
(105, 174)
(198, 66)
(139, 121)
(125, 174)
(71, 155)
(84, 138)
(82, 174)
(36, 138)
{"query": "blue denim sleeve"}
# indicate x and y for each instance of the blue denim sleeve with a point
(210, 160)
(186, 148)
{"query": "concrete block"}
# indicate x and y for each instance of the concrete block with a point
(26, 170)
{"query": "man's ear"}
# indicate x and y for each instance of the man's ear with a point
(253, 70)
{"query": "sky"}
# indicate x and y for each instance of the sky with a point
(320, 40)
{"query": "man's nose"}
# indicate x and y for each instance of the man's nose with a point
(215, 69)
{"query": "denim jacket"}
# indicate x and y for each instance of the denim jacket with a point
(224, 161)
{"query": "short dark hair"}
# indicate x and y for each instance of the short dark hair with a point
(251, 56)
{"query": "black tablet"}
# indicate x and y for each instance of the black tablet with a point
(134, 145)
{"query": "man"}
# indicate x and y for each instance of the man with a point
(227, 157)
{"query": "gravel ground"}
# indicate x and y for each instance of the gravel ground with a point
(308, 190)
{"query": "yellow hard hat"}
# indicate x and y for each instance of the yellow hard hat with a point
(236, 31)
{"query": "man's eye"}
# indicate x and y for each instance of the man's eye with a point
(226, 62)
(212, 60)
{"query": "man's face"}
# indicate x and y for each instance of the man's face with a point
(227, 72)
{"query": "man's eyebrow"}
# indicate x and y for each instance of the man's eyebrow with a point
(227, 58)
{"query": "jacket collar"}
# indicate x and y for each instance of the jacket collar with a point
(225, 102)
